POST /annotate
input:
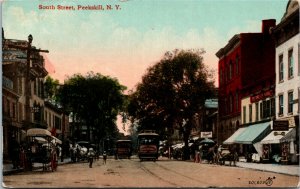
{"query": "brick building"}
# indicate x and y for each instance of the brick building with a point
(247, 59)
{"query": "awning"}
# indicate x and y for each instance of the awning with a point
(55, 140)
(40, 140)
(253, 133)
(275, 136)
(231, 139)
(290, 136)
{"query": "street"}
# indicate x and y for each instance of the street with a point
(162, 173)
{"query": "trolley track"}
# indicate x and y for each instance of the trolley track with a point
(170, 180)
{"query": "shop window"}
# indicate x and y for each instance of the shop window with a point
(280, 68)
(290, 102)
(290, 64)
(261, 110)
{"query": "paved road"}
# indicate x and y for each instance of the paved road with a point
(162, 173)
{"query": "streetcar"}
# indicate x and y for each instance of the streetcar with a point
(42, 148)
(123, 149)
(148, 143)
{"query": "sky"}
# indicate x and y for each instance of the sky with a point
(124, 42)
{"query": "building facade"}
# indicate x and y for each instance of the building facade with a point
(287, 37)
(246, 60)
(23, 96)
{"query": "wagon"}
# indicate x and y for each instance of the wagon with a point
(42, 148)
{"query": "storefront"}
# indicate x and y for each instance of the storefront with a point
(245, 139)
(270, 148)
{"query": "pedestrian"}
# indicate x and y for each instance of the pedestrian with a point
(91, 155)
(104, 157)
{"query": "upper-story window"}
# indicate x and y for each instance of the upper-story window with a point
(290, 102)
(230, 103)
(250, 113)
(280, 99)
(281, 68)
(221, 76)
(230, 69)
(298, 59)
(244, 114)
(237, 101)
(290, 63)
(256, 111)
(237, 65)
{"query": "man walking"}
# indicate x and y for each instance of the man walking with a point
(104, 157)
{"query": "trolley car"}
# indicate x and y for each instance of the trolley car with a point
(123, 149)
(148, 143)
(42, 148)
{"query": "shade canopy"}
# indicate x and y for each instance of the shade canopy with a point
(275, 136)
(38, 132)
(231, 139)
(290, 136)
(207, 141)
(253, 133)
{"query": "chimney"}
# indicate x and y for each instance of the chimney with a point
(267, 25)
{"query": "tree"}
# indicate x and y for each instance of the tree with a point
(94, 99)
(51, 86)
(171, 93)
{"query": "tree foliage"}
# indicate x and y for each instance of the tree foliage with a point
(51, 86)
(94, 99)
(172, 92)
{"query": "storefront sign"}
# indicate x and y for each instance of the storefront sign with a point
(261, 96)
(206, 134)
(281, 125)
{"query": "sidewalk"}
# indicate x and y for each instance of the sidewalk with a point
(8, 169)
(276, 168)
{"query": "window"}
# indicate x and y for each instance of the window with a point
(244, 114)
(230, 103)
(256, 111)
(291, 64)
(280, 98)
(290, 102)
(250, 113)
(298, 58)
(230, 70)
(281, 68)
(221, 76)
(237, 65)
(261, 110)
(273, 107)
(237, 101)
(266, 108)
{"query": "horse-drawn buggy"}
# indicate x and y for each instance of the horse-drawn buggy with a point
(41, 148)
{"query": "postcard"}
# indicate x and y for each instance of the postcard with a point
(150, 93)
